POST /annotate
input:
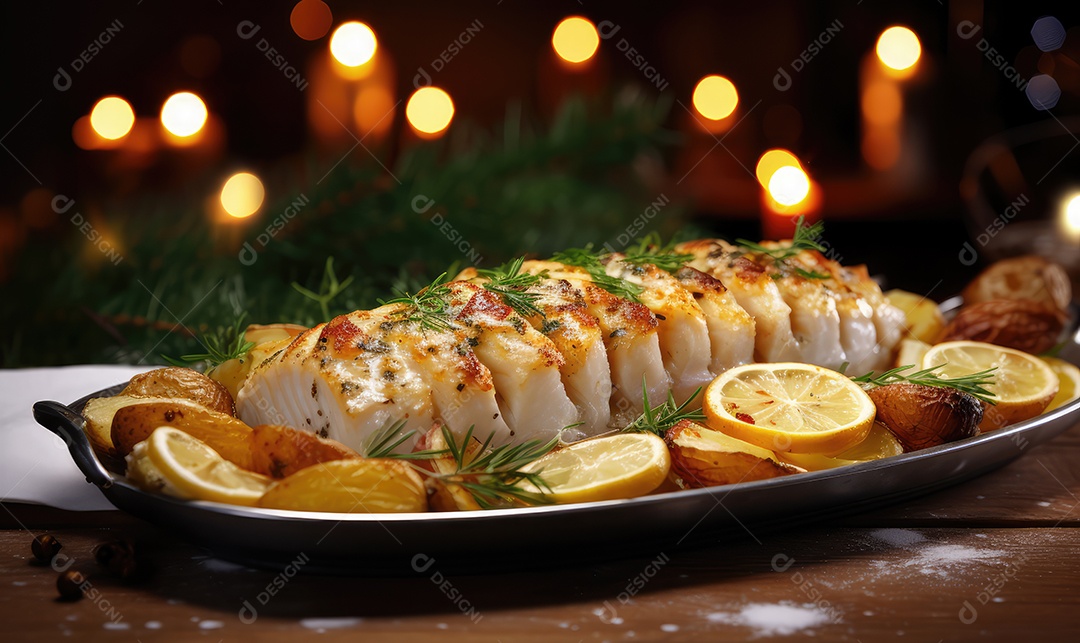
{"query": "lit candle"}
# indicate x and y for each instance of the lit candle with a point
(895, 60)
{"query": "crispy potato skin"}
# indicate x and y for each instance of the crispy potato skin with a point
(1027, 277)
(696, 462)
(225, 434)
(1023, 324)
(182, 383)
(926, 416)
(922, 316)
(443, 496)
(279, 451)
(364, 485)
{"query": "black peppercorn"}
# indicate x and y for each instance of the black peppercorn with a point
(45, 547)
(117, 556)
(69, 584)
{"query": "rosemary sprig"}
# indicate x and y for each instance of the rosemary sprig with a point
(226, 344)
(427, 307)
(382, 443)
(650, 249)
(974, 384)
(805, 238)
(590, 260)
(494, 476)
(509, 283)
(329, 288)
(661, 418)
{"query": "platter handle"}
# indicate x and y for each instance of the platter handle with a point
(68, 424)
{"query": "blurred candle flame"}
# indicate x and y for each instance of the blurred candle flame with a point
(715, 97)
(898, 48)
(112, 118)
(183, 114)
(242, 195)
(429, 111)
(575, 39)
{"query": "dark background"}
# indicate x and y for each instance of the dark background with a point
(911, 235)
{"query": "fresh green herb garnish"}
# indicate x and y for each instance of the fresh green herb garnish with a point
(592, 262)
(660, 419)
(427, 307)
(650, 249)
(224, 345)
(329, 288)
(805, 238)
(508, 282)
(974, 384)
(383, 442)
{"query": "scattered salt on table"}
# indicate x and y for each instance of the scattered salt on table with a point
(770, 619)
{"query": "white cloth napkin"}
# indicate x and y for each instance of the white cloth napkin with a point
(35, 465)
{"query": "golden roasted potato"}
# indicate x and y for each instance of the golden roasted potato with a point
(362, 485)
(911, 351)
(99, 413)
(449, 496)
(1027, 277)
(924, 320)
(267, 341)
(433, 440)
(926, 416)
(223, 433)
(279, 451)
(1024, 324)
(184, 384)
(701, 457)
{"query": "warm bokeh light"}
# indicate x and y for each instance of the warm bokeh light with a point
(575, 39)
(771, 161)
(112, 118)
(882, 103)
(183, 114)
(881, 147)
(789, 185)
(1071, 216)
(353, 44)
(374, 110)
(242, 195)
(311, 19)
(715, 97)
(898, 48)
(429, 110)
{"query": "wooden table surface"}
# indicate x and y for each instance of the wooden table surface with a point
(995, 558)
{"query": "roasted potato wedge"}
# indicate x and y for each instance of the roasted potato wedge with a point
(701, 457)
(1027, 277)
(223, 433)
(434, 440)
(926, 416)
(1024, 324)
(279, 451)
(444, 496)
(362, 485)
(99, 413)
(184, 384)
(267, 341)
(923, 318)
(910, 352)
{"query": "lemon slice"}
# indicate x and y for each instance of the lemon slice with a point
(790, 407)
(198, 471)
(626, 465)
(1068, 379)
(879, 443)
(1023, 384)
